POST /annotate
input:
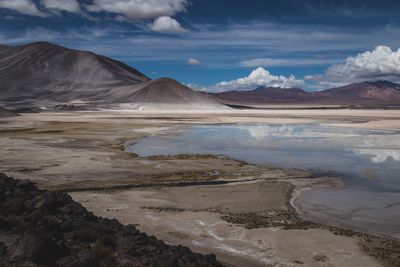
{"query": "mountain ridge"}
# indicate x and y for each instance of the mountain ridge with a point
(42, 74)
(376, 92)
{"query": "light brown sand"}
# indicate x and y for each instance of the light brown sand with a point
(188, 216)
(82, 150)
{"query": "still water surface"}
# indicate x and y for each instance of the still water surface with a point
(368, 161)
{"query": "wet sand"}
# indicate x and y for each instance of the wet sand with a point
(191, 216)
(239, 211)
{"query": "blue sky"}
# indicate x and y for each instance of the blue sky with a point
(223, 45)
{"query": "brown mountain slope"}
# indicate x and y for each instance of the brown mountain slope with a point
(168, 92)
(371, 93)
(379, 92)
(47, 75)
(264, 95)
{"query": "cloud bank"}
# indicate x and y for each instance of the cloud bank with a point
(26, 7)
(121, 10)
(379, 63)
(382, 63)
(258, 77)
(71, 6)
(139, 9)
(220, 47)
(284, 61)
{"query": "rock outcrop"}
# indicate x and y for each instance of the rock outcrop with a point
(43, 228)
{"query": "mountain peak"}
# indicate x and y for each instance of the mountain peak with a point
(378, 92)
(42, 44)
(54, 75)
(60, 73)
(36, 46)
(383, 83)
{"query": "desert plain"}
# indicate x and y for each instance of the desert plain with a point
(243, 213)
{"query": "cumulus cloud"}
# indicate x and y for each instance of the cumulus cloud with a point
(26, 7)
(193, 61)
(139, 9)
(166, 24)
(258, 77)
(380, 64)
(71, 6)
(124, 10)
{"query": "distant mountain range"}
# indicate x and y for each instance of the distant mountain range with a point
(46, 75)
(364, 93)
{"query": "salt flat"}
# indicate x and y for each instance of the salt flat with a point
(84, 153)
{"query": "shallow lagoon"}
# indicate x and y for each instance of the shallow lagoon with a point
(368, 161)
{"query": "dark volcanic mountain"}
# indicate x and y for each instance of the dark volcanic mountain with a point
(365, 93)
(44, 74)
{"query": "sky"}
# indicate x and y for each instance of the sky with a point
(223, 45)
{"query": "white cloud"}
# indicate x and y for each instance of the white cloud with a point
(269, 41)
(166, 24)
(309, 77)
(380, 64)
(261, 40)
(193, 61)
(11, 17)
(26, 7)
(139, 9)
(265, 62)
(71, 6)
(269, 62)
(258, 77)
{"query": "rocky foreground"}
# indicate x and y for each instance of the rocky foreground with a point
(44, 228)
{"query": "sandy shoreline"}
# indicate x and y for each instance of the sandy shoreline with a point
(260, 233)
(81, 151)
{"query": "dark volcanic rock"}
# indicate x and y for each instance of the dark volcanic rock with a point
(42, 228)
